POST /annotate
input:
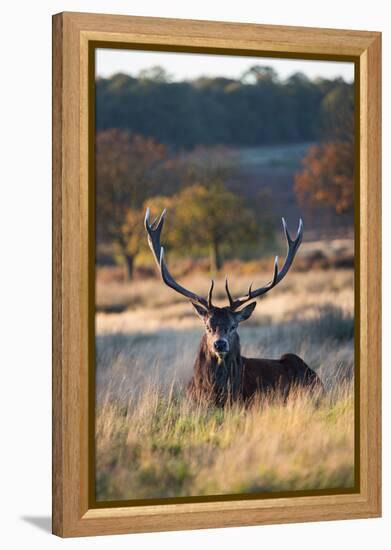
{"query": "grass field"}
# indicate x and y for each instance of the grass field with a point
(151, 442)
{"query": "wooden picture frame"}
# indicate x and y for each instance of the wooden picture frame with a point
(75, 35)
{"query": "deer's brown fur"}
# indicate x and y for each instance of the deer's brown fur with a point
(240, 379)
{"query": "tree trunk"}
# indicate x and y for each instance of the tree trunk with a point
(129, 267)
(215, 258)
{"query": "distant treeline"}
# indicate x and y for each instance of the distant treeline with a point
(259, 108)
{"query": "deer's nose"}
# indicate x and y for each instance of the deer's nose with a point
(221, 345)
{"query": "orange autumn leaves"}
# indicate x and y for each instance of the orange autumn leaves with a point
(327, 176)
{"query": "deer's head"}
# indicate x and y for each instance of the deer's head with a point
(221, 323)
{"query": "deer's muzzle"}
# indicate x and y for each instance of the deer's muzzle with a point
(221, 346)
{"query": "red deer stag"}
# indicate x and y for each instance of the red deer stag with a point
(221, 374)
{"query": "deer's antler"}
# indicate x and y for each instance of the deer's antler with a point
(154, 230)
(293, 246)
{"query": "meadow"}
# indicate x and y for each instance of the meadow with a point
(151, 442)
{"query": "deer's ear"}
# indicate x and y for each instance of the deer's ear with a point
(245, 313)
(200, 310)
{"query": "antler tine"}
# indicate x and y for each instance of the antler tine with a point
(212, 284)
(293, 246)
(154, 230)
(153, 224)
(231, 301)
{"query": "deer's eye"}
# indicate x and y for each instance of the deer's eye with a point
(232, 329)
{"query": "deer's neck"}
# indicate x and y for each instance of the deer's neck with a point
(221, 378)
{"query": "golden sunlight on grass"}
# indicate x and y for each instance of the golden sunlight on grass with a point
(160, 445)
(151, 442)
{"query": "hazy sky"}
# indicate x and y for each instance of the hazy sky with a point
(188, 66)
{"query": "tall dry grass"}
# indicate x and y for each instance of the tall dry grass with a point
(151, 442)
(159, 444)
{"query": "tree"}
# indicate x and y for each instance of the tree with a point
(129, 168)
(337, 112)
(211, 217)
(327, 176)
(258, 108)
(259, 73)
(155, 74)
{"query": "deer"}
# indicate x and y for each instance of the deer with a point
(221, 375)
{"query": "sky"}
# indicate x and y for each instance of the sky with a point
(184, 66)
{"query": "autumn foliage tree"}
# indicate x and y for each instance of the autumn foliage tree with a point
(129, 168)
(327, 176)
(207, 218)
